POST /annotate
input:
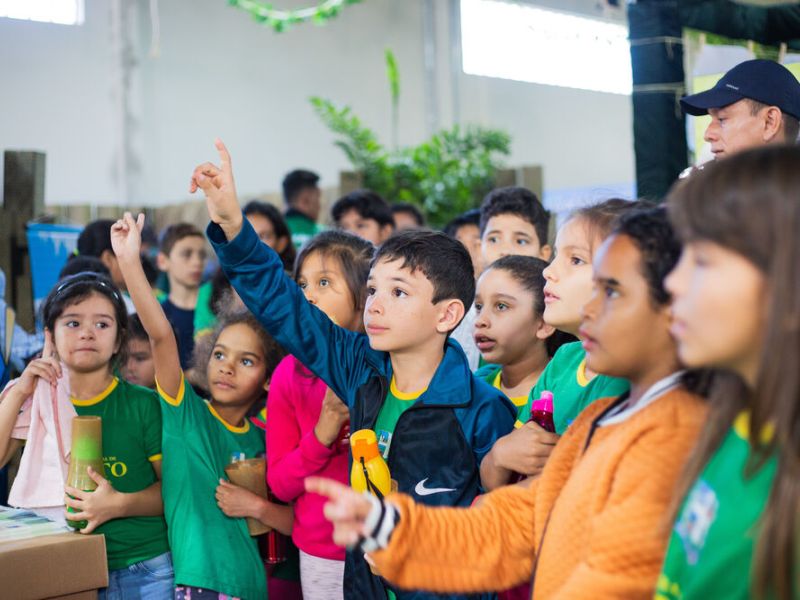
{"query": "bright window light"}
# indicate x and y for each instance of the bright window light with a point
(62, 12)
(515, 41)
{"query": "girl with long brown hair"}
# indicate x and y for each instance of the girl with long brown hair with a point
(736, 307)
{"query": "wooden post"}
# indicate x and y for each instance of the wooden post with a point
(23, 199)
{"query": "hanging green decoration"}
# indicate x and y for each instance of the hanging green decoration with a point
(281, 20)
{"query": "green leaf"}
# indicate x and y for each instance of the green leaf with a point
(445, 175)
(393, 75)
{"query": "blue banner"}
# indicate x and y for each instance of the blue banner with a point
(49, 246)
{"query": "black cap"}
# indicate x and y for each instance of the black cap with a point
(762, 80)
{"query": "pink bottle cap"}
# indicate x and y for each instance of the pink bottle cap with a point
(545, 403)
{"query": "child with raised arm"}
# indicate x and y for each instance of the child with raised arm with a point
(404, 378)
(86, 321)
(213, 553)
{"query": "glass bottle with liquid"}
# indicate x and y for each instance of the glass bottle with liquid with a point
(86, 451)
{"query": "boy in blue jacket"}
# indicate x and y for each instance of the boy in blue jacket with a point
(405, 378)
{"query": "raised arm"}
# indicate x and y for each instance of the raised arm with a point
(220, 190)
(126, 241)
(338, 356)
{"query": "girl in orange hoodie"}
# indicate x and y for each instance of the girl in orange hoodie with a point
(592, 525)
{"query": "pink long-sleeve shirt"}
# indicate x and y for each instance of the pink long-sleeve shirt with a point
(294, 453)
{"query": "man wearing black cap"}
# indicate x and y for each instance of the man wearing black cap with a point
(755, 103)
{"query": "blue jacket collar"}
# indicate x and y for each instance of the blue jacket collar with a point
(452, 382)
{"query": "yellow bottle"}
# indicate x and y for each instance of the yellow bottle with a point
(368, 463)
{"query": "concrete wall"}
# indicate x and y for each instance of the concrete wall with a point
(122, 127)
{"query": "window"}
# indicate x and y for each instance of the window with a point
(518, 41)
(62, 12)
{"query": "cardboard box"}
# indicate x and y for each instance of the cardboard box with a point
(67, 565)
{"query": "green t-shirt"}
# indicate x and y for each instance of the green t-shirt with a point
(301, 227)
(710, 551)
(493, 375)
(204, 318)
(565, 377)
(209, 549)
(396, 404)
(131, 443)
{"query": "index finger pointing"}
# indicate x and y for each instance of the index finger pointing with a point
(224, 155)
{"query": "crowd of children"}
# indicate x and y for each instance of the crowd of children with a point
(659, 339)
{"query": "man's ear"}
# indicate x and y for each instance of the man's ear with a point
(544, 331)
(386, 232)
(450, 315)
(162, 262)
(546, 252)
(773, 123)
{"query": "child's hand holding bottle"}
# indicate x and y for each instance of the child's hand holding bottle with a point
(525, 450)
(95, 507)
(235, 501)
(333, 418)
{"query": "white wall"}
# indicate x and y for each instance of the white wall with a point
(55, 98)
(221, 74)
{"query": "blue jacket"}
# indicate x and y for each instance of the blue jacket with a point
(438, 443)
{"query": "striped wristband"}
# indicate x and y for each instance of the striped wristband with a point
(380, 523)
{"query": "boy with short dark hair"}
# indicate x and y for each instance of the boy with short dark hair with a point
(404, 378)
(302, 196)
(182, 256)
(365, 214)
(513, 222)
(407, 216)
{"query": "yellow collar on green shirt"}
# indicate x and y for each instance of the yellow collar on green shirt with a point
(741, 425)
(517, 401)
(404, 395)
(583, 381)
(242, 429)
(99, 398)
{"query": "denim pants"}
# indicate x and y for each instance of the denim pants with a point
(151, 579)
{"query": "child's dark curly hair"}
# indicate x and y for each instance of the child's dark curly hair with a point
(273, 353)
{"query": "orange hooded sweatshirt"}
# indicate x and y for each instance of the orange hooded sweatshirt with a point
(594, 525)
